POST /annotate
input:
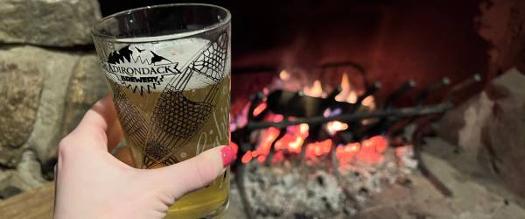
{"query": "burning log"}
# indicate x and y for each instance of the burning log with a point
(402, 112)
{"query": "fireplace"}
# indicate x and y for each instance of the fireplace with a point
(337, 132)
(336, 106)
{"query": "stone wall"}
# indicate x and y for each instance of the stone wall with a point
(49, 76)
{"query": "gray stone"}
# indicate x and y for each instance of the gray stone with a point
(382, 212)
(56, 69)
(26, 176)
(463, 125)
(9, 191)
(20, 88)
(504, 130)
(235, 206)
(470, 199)
(48, 22)
(5, 178)
(491, 127)
(28, 172)
(87, 85)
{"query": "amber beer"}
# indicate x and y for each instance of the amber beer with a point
(133, 108)
(169, 69)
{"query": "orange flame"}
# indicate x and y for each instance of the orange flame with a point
(369, 102)
(347, 94)
(316, 90)
(284, 75)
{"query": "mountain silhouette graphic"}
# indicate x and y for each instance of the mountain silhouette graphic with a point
(119, 56)
(125, 55)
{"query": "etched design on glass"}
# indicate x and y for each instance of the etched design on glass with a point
(131, 118)
(175, 118)
(212, 62)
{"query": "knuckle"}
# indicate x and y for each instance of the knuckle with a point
(65, 146)
(204, 173)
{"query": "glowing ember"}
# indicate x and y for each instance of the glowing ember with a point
(346, 153)
(247, 157)
(335, 126)
(275, 118)
(379, 142)
(318, 149)
(278, 157)
(260, 108)
(290, 143)
(261, 158)
(372, 150)
(266, 139)
(293, 140)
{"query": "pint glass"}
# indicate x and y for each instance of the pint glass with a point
(168, 67)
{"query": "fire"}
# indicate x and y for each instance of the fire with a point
(293, 141)
(316, 90)
(347, 94)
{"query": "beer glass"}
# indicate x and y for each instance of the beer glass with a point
(168, 67)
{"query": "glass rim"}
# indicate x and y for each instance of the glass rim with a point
(180, 35)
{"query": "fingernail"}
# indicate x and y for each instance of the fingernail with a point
(227, 156)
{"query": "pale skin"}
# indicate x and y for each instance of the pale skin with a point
(92, 183)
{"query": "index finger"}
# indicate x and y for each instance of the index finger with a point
(100, 126)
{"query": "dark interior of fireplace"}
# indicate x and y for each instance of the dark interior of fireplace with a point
(393, 40)
(428, 85)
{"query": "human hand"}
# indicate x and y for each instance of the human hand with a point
(92, 183)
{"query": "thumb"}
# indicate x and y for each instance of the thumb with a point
(186, 176)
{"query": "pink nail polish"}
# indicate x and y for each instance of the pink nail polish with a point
(227, 156)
